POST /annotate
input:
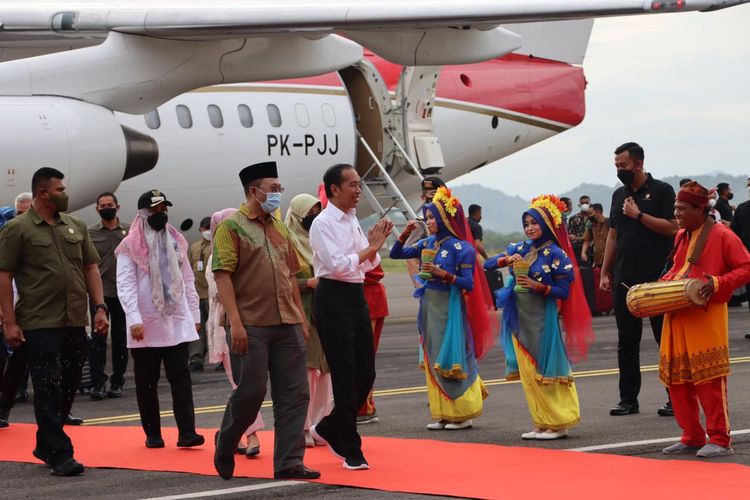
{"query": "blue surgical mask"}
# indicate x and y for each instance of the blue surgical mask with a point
(272, 203)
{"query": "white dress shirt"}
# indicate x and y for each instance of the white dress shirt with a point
(336, 239)
(134, 292)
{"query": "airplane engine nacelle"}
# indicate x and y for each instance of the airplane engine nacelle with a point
(82, 140)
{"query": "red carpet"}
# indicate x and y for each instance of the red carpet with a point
(420, 466)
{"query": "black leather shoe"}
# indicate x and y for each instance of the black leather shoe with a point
(154, 442)
(196, 367)
(69, 467)
(666, 410)
(71, 420)
(99, 392)
(115, 391)
(41, 456)
(190, 440)
(224, 464)
(4, 417)
(747, 335)
(297, 472)
(624, 408)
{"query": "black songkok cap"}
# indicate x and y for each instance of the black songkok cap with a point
(257, 171)
(430, 183)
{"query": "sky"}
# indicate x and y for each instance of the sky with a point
(677, 84)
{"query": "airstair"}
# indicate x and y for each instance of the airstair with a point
(397, 146)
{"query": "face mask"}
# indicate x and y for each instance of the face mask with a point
(712, 202)
(108, 213)
(626, 176)
(731, 195)
(748, 190)
(307, 221)
(585, 207)
(206, 235)
(158, 220)
(60, 201)
(272, 203)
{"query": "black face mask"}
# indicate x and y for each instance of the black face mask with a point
(730, 196)
(307, 221)
(158, 220)
(108, 213)
(626, 176)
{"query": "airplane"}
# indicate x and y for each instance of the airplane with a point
(129, 96)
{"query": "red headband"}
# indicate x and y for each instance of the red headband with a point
(692, 198)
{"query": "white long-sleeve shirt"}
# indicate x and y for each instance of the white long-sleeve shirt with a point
(134, 292)
(336, 239)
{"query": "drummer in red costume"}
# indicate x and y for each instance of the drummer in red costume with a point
(694, 352)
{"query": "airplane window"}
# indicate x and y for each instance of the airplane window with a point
(274, 115)
(152, 119)
(215, 116)
(184, 118)
(246, 116)
(303, 117)
(329, 114)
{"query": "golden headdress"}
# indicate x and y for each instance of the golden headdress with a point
(444, 196)
(553, 205)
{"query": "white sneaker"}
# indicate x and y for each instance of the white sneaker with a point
(530, 435)
(466, 424)
(550, 434)
(436, 426)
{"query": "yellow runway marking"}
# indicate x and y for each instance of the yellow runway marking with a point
(134, 417)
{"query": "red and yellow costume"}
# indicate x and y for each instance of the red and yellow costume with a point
(694, 352)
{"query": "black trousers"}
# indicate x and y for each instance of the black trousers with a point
(629, 332)
(16, 372)
(98, 347)
(56, 357)
(345, 331)
(147, 370)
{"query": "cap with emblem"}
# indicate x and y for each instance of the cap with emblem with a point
(257, 171)
(430, 183)
(152, 198)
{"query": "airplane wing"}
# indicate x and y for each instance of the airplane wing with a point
(227, 18)
(134, 55)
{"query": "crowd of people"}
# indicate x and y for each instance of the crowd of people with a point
(315, 332)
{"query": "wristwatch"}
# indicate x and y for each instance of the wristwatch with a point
(639, 216)
(101, 306)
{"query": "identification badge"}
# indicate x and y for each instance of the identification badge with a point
(200, 265)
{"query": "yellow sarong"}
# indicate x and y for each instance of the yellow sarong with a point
(552, 405)
(694, 345)
(467, 406)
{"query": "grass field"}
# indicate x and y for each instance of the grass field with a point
(393, 265)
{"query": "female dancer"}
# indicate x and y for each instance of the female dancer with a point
(449, 335)
(542, 275)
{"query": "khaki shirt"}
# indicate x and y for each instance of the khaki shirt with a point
(263, 262)
(105, 241)
(47, 264)
(198, 255)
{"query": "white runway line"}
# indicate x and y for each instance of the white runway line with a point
(229, 491)
(627, 444)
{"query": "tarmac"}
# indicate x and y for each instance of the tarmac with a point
(402, 410)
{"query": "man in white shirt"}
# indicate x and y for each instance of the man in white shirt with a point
(342, 256)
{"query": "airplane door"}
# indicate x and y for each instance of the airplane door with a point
(371, 103)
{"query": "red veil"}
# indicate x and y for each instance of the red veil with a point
(575, 309)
